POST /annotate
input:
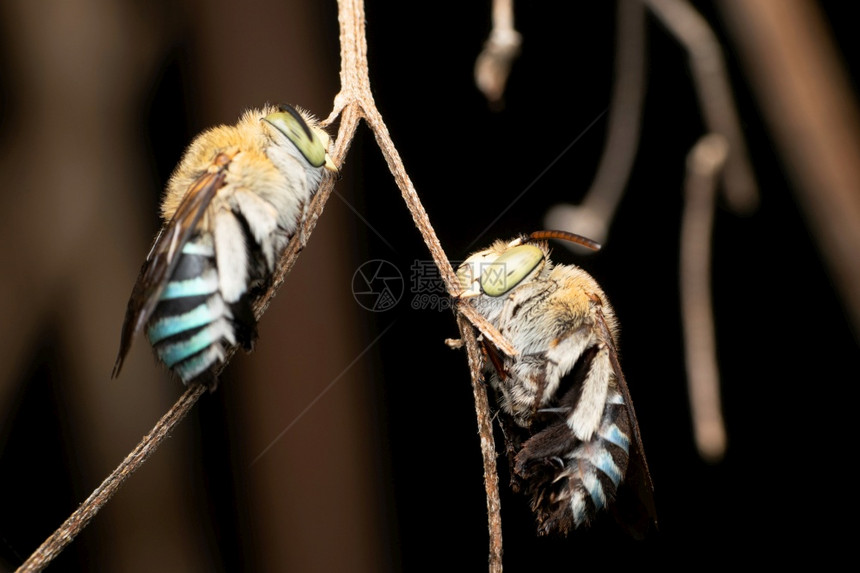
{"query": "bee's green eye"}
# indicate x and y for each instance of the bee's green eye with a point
(509, 269)
(289, 122)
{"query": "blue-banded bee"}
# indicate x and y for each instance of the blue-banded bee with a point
(570, 429)
(231, 206)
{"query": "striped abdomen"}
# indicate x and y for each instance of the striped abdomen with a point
(192, 327)
(570, 480)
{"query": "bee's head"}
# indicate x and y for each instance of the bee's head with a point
(498, 269)
(302, 130)
(495, 271)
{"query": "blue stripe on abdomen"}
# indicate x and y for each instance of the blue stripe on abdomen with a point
(606, 464)
(191, 325)
(168, 326)
(176, 352)
(578, 508)
(595, 490)
(207, 283)
(188, 369)
(199, 247)
(616, 436)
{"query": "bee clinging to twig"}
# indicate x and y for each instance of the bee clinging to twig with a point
(231, 206)
(570, 428)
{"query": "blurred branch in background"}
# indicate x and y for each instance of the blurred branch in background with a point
(805, 95)
(723, 152)
(593, 216)
(704, 166)
(494, 63)
(715, 95)
(75, 185)
(803, 91)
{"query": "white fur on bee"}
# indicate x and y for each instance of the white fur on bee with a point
(585, 419)
(262, 218)
(231, 255)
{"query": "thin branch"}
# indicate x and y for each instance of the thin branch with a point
(501, 48)
(593, 216)
(81, 517)
(715, 95)
(488, 447)
(704, 164)
(356, 95)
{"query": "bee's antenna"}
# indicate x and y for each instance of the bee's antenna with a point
(566, 236)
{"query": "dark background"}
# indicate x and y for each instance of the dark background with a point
(787, 355)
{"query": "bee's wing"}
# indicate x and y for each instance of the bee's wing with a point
(642, 513)
(163, 256)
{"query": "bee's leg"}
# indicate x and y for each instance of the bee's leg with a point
(244, 323)
(514, 436)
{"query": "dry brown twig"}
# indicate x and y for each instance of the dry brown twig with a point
(354, 103)
(488, 448)
(356, 99)
(76, 522)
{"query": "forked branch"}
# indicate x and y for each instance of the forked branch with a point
(353, 103)
(356, 95)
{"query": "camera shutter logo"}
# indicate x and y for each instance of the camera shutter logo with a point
(377, 285)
